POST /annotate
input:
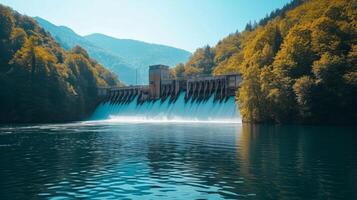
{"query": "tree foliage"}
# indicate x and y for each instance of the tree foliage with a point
(41, 82)
(298, 65)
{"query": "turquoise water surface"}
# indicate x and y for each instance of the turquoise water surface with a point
(106, 160)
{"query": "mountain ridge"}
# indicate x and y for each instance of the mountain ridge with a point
(67, 38)
(121, 56)
(135, 40)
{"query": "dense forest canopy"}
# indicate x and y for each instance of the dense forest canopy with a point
(298, 65)
(40, 81)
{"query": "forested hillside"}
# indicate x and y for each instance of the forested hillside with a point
(121, 56)
(68, 39)
(299, 65)
(140, 54)
(40, 81)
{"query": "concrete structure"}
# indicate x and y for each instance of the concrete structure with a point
(221, 86)
(161, 86)
(157, 74)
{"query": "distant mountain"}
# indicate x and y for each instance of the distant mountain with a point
(139, 53)
(68, 39)
(122, 56)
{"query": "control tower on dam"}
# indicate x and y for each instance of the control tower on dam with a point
(162, 86)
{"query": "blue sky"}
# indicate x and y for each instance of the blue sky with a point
(186, 24)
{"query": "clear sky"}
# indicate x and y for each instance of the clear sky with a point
(186, 24)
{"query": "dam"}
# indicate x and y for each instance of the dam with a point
(193, 98)
(161, 86)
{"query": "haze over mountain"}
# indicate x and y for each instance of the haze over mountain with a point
(122, 56)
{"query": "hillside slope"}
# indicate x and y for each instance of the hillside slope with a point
(139, 53)
(39, 80)
(122, 56)
(69, 39)
(300, 66)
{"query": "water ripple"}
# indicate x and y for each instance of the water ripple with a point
(175, 161)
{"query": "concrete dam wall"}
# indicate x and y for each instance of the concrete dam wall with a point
(196, 98)
(161, 86)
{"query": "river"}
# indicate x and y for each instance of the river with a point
(111, 160)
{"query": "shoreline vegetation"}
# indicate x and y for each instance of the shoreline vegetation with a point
(299, 64)
(40, 81)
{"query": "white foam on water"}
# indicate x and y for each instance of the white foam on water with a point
(208, 111)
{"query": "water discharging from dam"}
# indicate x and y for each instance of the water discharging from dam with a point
(178, 111)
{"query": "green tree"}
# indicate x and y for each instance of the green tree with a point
(40, 81)
(304, 90)
(202, 61)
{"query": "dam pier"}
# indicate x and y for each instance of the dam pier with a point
(162, 86)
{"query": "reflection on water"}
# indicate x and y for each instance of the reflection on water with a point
(177, 161)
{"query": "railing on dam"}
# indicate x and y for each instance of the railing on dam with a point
(160, 86)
